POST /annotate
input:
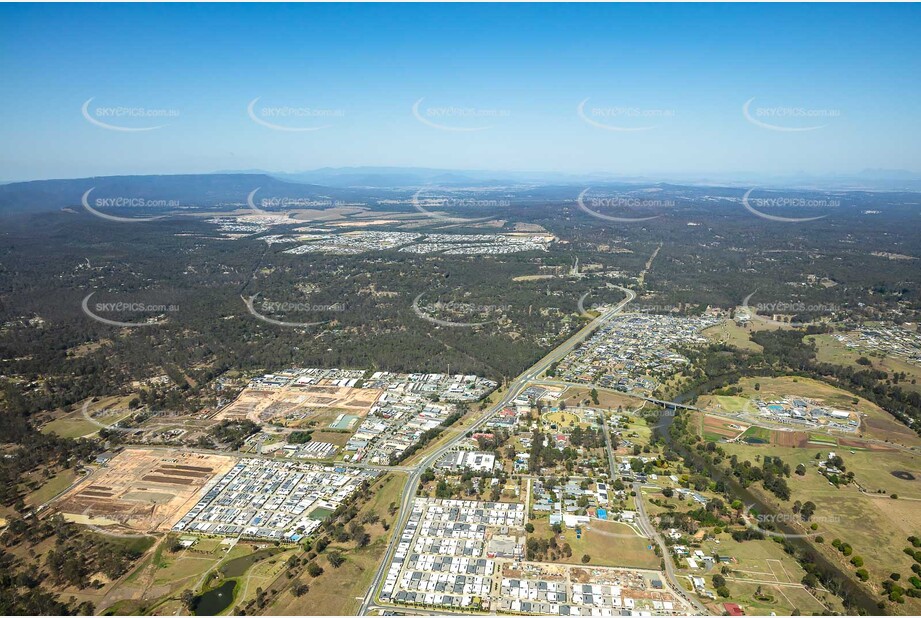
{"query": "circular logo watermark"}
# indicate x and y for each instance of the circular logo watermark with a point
(603, 117)
(785, 308)
(138, 415)
(287, 202)
(785, 202)
(94, 115)
(125, 202)
(446, 201)
(581, 304)
(756, 521)
(100, 530)
(268, 116)
(121, 307)
(252, 204)
(617, 202)
(437, 117)
(760, 115)
(456, 308)
(287, 308)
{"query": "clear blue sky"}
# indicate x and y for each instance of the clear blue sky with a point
(684, 70)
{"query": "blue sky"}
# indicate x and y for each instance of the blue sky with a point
(500, 87)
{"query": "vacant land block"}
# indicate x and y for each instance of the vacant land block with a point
(297, 405)
(143, 489)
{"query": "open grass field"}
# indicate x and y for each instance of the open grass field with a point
(604, 542)
(757, 435)
(106, 411)
(50, 488)
(876, 423)
(339, 438)
(726, 404)
(607, 399)
(822, 439)
(71, 426)
(765, 564)
(339, 591)
(875, 525)
(562, 419)
(637, 431)
(155, 585)
(732, 334)
(764, 599)
(830, 350)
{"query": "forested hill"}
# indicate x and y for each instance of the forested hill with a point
(175, 191)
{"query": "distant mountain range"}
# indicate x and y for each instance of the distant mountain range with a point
(359, 183)
(401, 177)
(182, 191)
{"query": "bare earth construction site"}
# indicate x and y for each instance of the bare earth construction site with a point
(143, 490)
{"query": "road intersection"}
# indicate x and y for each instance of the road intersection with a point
(514, 389)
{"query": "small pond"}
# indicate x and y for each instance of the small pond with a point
(215, 600)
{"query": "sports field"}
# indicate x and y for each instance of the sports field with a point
(862, 514)
(763, 579)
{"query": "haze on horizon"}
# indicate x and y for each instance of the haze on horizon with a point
(604, 89)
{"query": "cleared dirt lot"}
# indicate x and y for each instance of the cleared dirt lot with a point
(716, 426)
(294, 405)
(144, 490)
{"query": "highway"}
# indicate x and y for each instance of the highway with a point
(514, 389)
(660, 402)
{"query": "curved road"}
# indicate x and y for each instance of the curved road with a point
(650, 531)
(514, 389)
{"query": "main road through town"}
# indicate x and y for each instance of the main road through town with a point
(514, 389)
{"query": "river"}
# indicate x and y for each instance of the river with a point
(851, 593)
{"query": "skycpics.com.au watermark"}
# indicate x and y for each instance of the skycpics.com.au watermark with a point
(756, 206)
(122, 118)
(768, 523)
(265, 310)
(449, 202)
(788, 119)
(297, 119)
(620, 118)
(653, 308)
(124, 202)
(121, 308)
(784, 308)
(261, 205)
(454, 118)
(289, 307)
(473, 202)
(127, 415)
(620, 202)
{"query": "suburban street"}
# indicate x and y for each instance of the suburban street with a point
(514, 388)
(650, 531)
